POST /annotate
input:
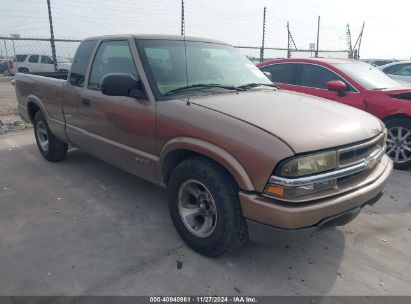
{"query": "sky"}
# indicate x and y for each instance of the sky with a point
(387, 32)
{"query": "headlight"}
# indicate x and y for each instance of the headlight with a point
(385, 135)
(310, 164)
(299, 167)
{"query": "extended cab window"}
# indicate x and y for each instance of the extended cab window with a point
(314, 76)
(80, 63)
(111, 57)
(281, 72)
(34, 58)
(46, 60)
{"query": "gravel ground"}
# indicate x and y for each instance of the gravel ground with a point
(83, 227)
(8, 106)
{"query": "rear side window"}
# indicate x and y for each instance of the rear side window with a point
(20, 58)
(314, 76)
(111, 57)
(281, 72)
(34, 58)
(46, 60)
(80, 63)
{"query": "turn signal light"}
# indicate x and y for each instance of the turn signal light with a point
(278, 191)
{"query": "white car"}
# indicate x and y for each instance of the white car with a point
(38, 63)
(398, 70)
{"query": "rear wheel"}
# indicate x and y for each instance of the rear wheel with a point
(399, 142)
(50, 147)
(205, 208)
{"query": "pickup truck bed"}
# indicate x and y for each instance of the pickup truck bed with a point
(44, 93)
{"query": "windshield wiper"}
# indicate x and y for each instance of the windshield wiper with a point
(254, 85)
(203, 85)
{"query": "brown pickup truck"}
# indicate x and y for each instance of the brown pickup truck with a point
(240, 158)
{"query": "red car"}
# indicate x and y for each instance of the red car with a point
(353, 83)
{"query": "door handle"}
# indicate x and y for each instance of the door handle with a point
(85, 102)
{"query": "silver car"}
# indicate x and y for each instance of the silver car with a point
(398, 70)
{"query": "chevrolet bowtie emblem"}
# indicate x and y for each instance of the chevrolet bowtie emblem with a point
(370, 162)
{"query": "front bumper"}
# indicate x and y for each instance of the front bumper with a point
(305, 218)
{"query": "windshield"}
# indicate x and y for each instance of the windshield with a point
(368, 76)
(209, 67)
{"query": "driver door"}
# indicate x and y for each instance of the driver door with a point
(120, 130)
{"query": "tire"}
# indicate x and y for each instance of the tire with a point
(229, 230)
(50, 147)
(399, 142)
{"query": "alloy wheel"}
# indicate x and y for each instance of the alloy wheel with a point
(399, 144)
(197, 208)
(42, 136)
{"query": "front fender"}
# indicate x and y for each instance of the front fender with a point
(210, 150)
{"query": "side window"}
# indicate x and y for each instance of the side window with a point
(80, 63)
(20, 58)
(314, 76)
(390, 70)
(111, 57)
(403, 70)
(34, 58)
(281, 72)
(46, 60)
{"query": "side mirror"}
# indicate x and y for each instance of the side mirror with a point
(337, 86)
(268, 75)
(120, 84)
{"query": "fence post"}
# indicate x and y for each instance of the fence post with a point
(53, 46)
(288, 40)
(263, 40)
(7, 56)
(318, 37)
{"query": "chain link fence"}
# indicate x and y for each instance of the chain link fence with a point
(10, 47)
(256, 54)
(66, 48)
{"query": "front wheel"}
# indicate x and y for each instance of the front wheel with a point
(50, 147)
(205, 208)
(399, 142)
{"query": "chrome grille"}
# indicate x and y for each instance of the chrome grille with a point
(352, 155)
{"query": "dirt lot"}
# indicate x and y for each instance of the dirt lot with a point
(8, 106)
(83, 227)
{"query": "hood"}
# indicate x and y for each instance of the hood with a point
(304, 122)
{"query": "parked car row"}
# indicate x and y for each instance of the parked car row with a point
(38, 63)
(356, 84)
(379, 62)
